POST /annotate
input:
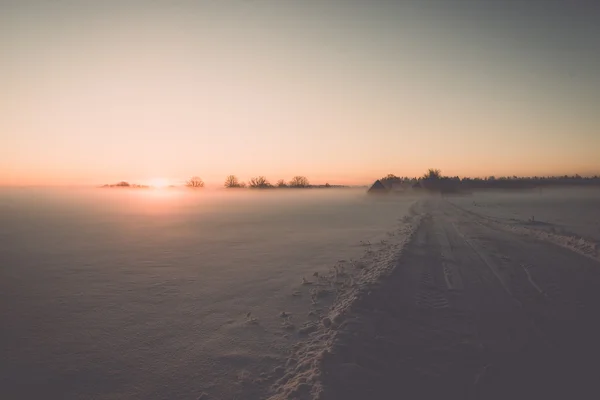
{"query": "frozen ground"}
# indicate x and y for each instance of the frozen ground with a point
(470, 309)
(300, 295)
(569, 217)
(109, 294)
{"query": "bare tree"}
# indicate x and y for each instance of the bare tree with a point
(232, 182)
(299, 182)
(281, 183)
(259, 182)
(195, 182)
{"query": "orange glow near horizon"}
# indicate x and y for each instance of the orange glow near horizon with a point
(339, 94)
(159, 183)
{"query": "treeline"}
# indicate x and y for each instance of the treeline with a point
(124, 184)
(232, 182)
(434, 180)
(258, 182)
(261, 182)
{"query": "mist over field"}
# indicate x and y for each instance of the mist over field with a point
(145, 294)
(568, 211)
(299, 200)
(176, 294)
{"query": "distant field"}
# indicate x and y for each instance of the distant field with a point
(169, 294)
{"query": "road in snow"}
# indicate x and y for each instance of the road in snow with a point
(471, 310)
(143, 297)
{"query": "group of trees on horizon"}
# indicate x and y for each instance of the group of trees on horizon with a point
(258, 182)
(195, 182)
(232, 182)
(433, 179)
(124, 184)
(261, 182)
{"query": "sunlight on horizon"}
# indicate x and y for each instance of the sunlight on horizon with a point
(159, 183)
(340, 92)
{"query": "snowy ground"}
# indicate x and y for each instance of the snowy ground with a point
(300, 295)
(569, 217)
(158, 294)
(470, 310)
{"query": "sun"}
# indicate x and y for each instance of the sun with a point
(159, 183)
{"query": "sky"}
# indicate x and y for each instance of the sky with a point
(96, 92)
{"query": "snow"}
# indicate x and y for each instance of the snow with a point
(463, 309)
(309, 294)
(568, 217)
(110, 293)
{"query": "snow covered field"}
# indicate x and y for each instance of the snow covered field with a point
(568, 217)
(163, 294)
(471, 310)
(320, 294)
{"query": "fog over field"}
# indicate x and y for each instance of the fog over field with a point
(567, 216)
(146, 294)
(299, 200)
(117, 293)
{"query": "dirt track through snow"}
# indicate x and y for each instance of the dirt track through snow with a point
(470, 311)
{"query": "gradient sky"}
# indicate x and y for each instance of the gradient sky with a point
(339, 91)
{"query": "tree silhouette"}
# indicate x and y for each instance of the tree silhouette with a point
(232, 182)
(259, 182)
(390, 177)
(195, 182)
(299, 182)
(433, 180)
(432, 174)
(281, 183)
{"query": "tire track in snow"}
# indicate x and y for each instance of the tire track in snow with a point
(531, 280)
(417, 335)
(489, 263)
(579, 245)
